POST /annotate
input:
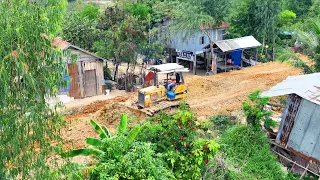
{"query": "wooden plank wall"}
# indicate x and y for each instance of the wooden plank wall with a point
(98, 66)
(75, 86)
(89, 62)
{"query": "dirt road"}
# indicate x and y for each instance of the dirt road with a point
(80, 103)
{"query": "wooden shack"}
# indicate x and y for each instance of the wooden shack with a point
(299, 130)
(86, 73)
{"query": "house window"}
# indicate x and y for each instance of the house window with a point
(221, 34)
(202, 40)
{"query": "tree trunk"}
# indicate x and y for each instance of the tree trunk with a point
(263, 44)
(214, 60)
(115, 77)
(126, 78)
(274, 49)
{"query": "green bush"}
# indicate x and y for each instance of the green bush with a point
(220, 121)
(250, 155)
(176, 138)
(255, 113)
(90, 11)
(166, 147)
(216, 169)
(137, 161)
(107, 73)
(120, 156)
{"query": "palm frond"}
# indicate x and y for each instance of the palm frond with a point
(83, 152)
(94, 142)
(122, 128)
(133, 134)
(98, 129)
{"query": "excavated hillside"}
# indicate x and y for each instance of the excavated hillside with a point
(224, 93)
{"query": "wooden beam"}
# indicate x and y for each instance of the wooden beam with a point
(225, 62)
(304, 172)
(194, 64)
(81, 73)
(294, 162)
(241, 58)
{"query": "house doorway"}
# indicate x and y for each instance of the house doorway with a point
(90, 83)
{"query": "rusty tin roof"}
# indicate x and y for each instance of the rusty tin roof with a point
(306, 86)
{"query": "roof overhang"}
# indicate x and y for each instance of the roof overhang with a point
(305, 86)
(173, 71)
(87, 52)
(63, 45)
(237, 43)
(168, 68)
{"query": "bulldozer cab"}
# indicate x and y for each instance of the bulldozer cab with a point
(173, 72)
(170, 88)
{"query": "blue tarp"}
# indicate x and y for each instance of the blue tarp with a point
(65, 86)
(68, 83)
(236, 56)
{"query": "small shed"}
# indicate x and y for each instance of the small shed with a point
(86, 75)
(235, 48)
(299, 130)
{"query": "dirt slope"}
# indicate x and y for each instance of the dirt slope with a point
(105, 112)
(224, 93)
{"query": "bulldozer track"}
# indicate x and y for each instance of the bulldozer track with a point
(162, 105)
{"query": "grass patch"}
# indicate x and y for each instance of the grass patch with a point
(249, 154)
(286, 55)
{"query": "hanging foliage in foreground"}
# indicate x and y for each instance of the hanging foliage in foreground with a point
(30, 70)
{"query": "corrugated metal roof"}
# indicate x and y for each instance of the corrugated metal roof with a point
(63, 45)
(224, 25)
(306, 86)
(238, 43)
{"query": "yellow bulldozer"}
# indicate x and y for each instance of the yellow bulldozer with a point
(164, 94)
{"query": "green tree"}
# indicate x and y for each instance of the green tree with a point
(254, 110)
(314, 10)
(79, 26)
(90, 11)
(124, 34)
(286, 18)
(288, 56)
(140, 10)
(218, 9)
(80, 31)
(30, 72)
(258, 18)
(204, 17)
(301, 8)
(310, 41)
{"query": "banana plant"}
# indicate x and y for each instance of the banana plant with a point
(105, 135)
